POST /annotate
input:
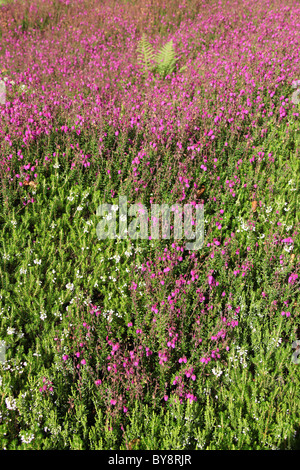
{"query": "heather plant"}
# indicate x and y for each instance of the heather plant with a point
(118, 343)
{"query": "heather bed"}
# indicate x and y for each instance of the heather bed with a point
(141, 344)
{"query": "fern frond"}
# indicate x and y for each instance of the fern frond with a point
(165, 59)
(146, 53)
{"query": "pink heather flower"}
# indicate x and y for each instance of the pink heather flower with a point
(283, 313)
(287, 314)
(98, 382)
(65, 357)
(287, 240)
(113, 402)
(166, 397)
(125, 409)
(293, 278)
(129, 324)
(83, 362)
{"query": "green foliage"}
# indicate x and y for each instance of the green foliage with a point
(89, 322)
(165, 58)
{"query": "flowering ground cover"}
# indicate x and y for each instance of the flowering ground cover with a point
(140, 343)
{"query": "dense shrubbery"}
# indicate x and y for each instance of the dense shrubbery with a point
(121, 344)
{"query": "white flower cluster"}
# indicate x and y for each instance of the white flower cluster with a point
(217, 372)
(10, 403)
(26, 438)
(70, 286)
(108, 315)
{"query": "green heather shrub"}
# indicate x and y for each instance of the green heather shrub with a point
(141, 344)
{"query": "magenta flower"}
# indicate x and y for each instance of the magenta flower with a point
(293, 278)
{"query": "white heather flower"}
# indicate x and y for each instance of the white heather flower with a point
(37, 261)
(6, 257)
(79, 208)
(217, 373)
(43, 316)
(114, 208)
(57, 165)
(10, 403)
(70, 286)
(13, 222)
(11, 331)
(26, 438)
